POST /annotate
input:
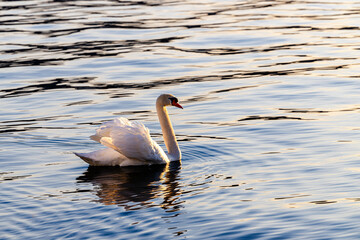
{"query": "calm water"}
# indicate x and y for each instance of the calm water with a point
(269, 133)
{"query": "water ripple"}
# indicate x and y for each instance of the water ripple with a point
(269, 130)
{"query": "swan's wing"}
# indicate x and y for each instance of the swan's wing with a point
(132, 139)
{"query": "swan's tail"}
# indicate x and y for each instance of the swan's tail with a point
(85, 157)
(106, 157)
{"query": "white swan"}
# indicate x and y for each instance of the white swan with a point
(129, 143)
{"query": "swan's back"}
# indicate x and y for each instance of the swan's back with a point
(131, 139)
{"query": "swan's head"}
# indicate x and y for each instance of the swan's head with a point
(168, 100)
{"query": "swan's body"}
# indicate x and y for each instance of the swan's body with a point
(130, 144)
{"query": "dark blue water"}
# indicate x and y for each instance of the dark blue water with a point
(269, 131)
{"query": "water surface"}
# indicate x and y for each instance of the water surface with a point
(269, 132)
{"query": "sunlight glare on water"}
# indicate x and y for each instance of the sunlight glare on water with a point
(269, 132)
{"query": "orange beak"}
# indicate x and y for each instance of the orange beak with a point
(177, 105)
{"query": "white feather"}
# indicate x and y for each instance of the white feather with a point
(131, 141)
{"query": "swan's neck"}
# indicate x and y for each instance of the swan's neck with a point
(168, 133)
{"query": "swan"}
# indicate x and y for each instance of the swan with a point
(129, 142)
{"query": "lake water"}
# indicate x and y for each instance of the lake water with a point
(270, 130)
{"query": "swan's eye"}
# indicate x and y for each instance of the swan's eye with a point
(173, 100)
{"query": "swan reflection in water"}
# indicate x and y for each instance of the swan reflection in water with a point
(136, 187)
